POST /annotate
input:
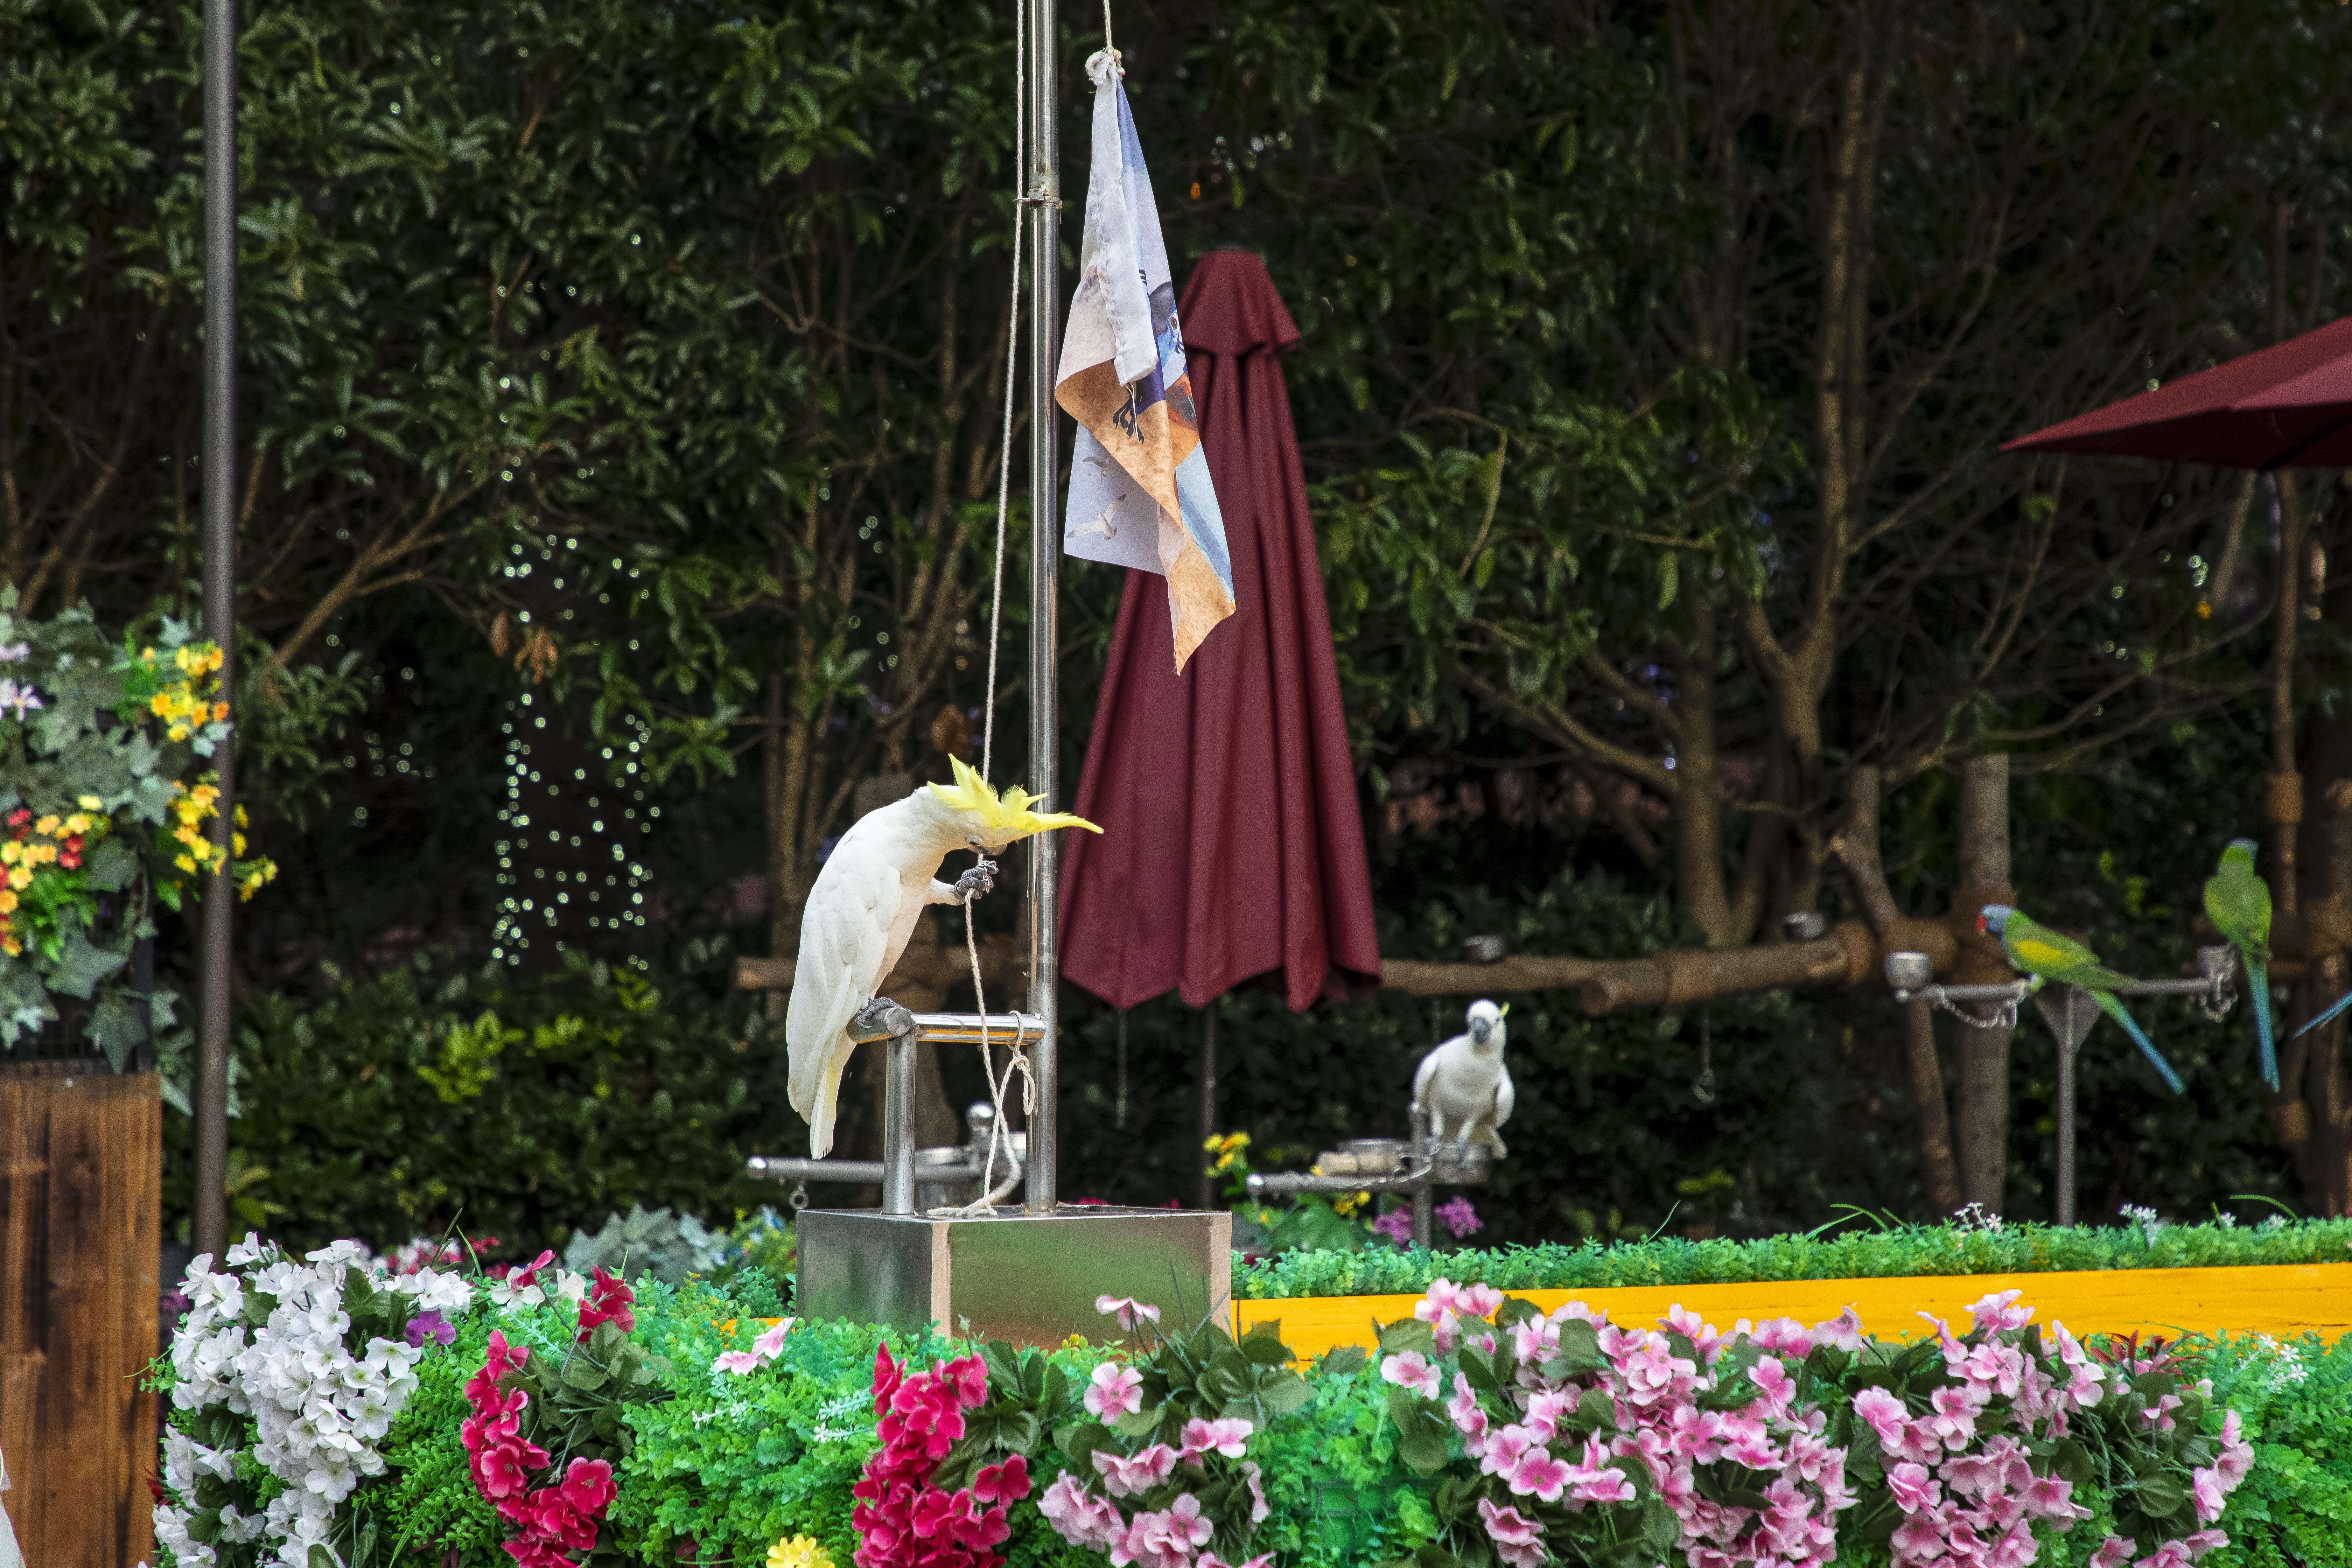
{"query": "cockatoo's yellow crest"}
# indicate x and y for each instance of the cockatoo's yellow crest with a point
(1006, 812)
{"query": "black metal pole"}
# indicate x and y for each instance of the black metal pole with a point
(210, 1224)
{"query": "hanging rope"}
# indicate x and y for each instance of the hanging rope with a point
(1018, 1061)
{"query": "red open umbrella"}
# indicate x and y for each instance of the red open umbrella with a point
(2289, 406)
(1232, 843)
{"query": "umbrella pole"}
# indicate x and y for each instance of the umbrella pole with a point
(209, 1223)
(1043, 206)
(1208, 1098)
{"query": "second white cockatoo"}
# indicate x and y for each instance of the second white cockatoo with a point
(1462, 1086)
(869, 895)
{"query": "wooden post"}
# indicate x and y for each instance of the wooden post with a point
(1984, 1052)
(81, 1242)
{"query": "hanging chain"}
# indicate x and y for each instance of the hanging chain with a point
(2003, 1016)
(800, 1198)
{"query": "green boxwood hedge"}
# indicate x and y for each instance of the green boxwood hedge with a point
(1892, 1252)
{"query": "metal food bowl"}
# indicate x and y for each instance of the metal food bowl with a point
(1909, 971)
(1462, 1164)
(1375, 1156)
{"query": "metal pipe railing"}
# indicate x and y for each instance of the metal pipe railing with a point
(899, 1032)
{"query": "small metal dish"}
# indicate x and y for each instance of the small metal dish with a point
(1374, 1157)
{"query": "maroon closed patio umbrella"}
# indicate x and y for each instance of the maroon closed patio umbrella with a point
(1232, 844)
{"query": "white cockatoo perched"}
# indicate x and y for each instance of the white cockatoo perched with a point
(870, 892)
(1462, 1085)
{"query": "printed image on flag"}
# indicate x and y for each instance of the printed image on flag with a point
(1139, 490)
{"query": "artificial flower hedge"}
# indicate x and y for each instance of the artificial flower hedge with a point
(330, 1410)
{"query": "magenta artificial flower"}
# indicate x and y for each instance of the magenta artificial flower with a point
(1396, 1225)
(588, 1486)
(429, 1326)
(609, 1301)
(1459, 1217)
(1007, 1482)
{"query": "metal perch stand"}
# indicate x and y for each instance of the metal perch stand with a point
(1415, 1169)
(2070, 1013)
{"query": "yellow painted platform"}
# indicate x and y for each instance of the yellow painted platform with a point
(2276, 1299)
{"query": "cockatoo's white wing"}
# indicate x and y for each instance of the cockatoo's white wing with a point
(1505, 1097)
(845, 947)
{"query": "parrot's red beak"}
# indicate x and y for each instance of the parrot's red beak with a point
(1982, 929)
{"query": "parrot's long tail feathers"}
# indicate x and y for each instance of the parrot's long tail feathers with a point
(2328, 1016)
(829, 1094)
(2115, 1009)
(2258, 976)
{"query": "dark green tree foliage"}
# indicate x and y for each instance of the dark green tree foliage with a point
(644, 363)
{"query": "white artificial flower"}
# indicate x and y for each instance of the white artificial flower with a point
(252, 1249)
(236, 1527)
(572, 1287)
(447, 1294)
(505, 1297)
(341, 1252)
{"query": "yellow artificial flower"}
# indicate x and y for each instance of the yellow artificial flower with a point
(9, 852)
(241, 822)
(183, 863)
(204, 795)
(236, 842)
(77, 822)
(798, 1551)
(47, 854)
(186, 834)
(90, 803)
(20, 876)
(1345, 1207)
(11, 946)
(7, 901)
(220, 712)
(160, 705)
(48, 824)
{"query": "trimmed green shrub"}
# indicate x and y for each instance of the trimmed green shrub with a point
(1891, 1253)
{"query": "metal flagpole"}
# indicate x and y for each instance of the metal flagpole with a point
(210, 1225)
(1042, 204)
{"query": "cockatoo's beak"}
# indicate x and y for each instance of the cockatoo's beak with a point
(1480, 1029)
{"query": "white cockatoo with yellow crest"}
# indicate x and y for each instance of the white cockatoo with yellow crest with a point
(872, 888)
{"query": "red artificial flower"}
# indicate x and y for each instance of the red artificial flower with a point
(588, 1486)
(504, 1469)
(610, 1301)
(533, 1553)
(1007, 1482)
(482, 1388)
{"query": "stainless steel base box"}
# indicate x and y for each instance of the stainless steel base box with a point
(1029, 1278)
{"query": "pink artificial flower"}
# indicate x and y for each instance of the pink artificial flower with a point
(1693, 1328)
(1078, 1515)
(2205, 1541)
(1915, 1489)
(1545, 1411)
(770, 1345)
(1115, 1391)
(1411, 1370)
(2114, 1550)
(1397, 1226)
(1954, 1418)
(2171, 1554)
(2052, 1497)
(1127, 1308)
(1539, 1475)
(2001, 1313)
(1263, 1560)
(1259, 1507)
(1481, 1300)
(1469, 1418)
(1442, 1296)
(1783, 1336)
(1773, 1382)
(2206, 1488)
(1125, 1477)
(738, 1361)
(1225, 1437)
(1840, 1332)
(1520, 1538)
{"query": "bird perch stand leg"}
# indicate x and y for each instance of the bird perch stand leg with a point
(898, 1126)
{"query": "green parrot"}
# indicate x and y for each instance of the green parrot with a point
(2238, 904)
(2036, 950)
